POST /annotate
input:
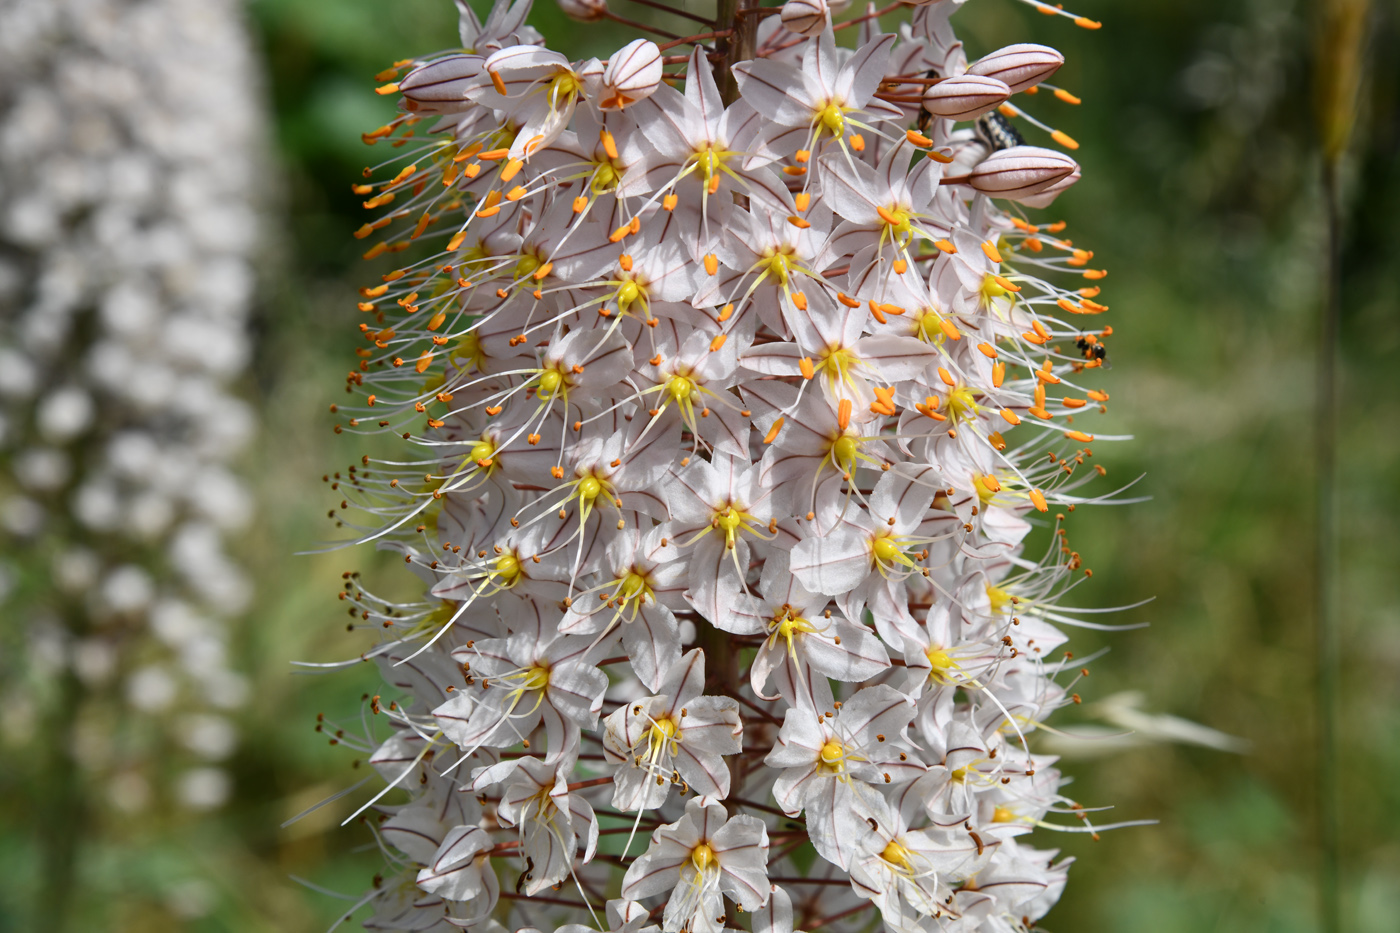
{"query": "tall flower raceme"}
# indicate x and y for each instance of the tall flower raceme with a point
(129, 146)
(729, 384)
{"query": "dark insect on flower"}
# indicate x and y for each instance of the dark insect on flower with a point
(997, 132)
(1092, 349)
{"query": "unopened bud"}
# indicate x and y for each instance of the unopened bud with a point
(965, 96)
(585, 11)
(633, 73)
(441, 86)
(1044, 198)
(1021, 171)
(806, 17)
(1019, 66)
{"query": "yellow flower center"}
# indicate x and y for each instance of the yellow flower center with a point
(778, 265)
(605, 178)
(885, 549)
(896, 854)
(468, 350)
(837, 362)
(832, 119)
(999, 598)
(507, 569)
(483, 449)
(680, 387)
(991, 289)
(534, 678)
(589, 487)
(526, 266)
(844, 452)
(551, 381)
(1002, 815)
(702, 857)
(632, 585)
(832, 754)
(961, 403)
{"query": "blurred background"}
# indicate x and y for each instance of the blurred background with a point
(1201, 195)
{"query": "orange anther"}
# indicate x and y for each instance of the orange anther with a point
(885, 405)
(990, 249)
(625, 262)
(879, 315)
(1073, 402)
(802, 200)
(948, 329)
(799, 301)
(1040, 329)
(1010, 416)
(946, 246)
(802, 156)
(387, 89)
(1079, 436)
(609, 144)
(805, 364)
(843, 414)
(1006, 283)
(424, 361)
(580, 203)
(1097, 396)
(847, 300)
(798, 222)
(1008, 111)
(713, 186)
(794, 170)
(1038, 500)
(998, 375)
(772, 434)
(918, 139)
(495, 155)
(857, 142)
(725, 312)
(543, 271)
(1095, 273)
(947, 377)
(1083, 22)
(669, 202)
(989, 351)
(1064, 139)
(511, 170)
(900, 267)
(718, 342)
(457, 239)
(1066, 96)
(496, 80)
(711, 263)
(989, 482)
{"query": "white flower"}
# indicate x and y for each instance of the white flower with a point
(697, 860)
(679, 737)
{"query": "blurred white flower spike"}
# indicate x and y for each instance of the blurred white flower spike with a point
(130, 169)
(729, 377)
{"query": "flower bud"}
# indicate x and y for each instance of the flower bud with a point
(806, 17)
(633, 73)
(1044, 198)
(441, 86)
(585, 11)
(1021, 171)
(965, 96)
(1020, 66)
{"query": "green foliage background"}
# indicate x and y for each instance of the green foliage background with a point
(1200, 196)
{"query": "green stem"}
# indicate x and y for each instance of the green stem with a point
(1328, 645)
